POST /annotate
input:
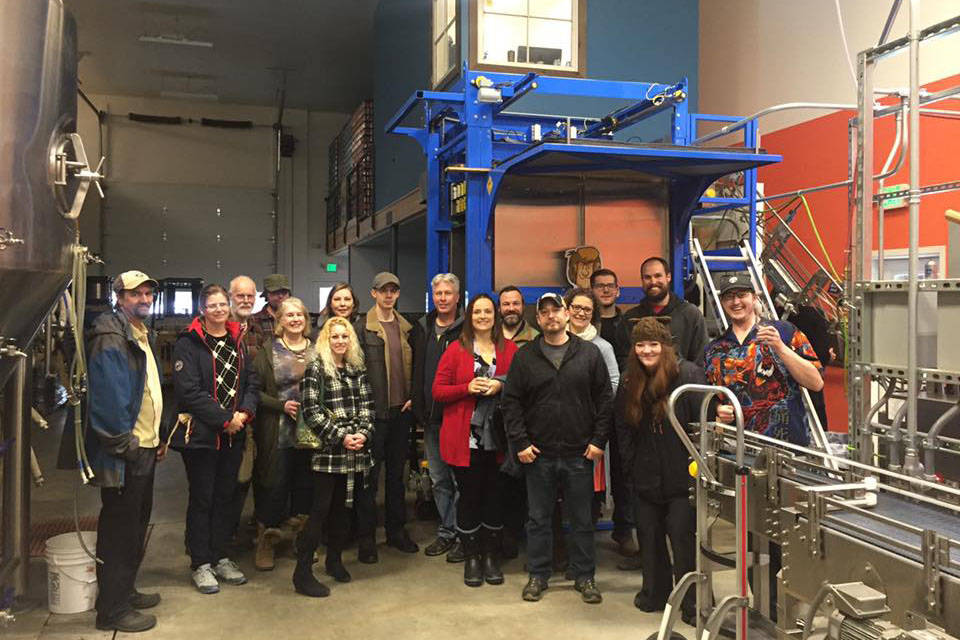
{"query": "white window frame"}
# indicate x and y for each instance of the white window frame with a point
(577, 44)
(439, 77)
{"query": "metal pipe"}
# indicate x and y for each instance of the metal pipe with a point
(740, 124)
(910, 459)
(886, 166)
(930, 441)
(894, 10)
(16, 498)
(867, 437)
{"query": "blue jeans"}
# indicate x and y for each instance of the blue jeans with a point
(544, 477)
(441, 477)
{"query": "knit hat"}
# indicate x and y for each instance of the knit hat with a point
(652, 329)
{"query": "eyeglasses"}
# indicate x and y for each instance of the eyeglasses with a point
(607, 286)
(217, 305)
(738, 295)
(576, 308)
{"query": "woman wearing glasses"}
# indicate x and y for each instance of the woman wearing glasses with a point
(584, 320)
(216, 401)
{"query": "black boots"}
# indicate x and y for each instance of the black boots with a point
(303, 579)
(492, 544)
(334, 566)
(472, 569)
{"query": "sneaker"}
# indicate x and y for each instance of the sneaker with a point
(228, 571)
(130, 622)
(440, 546)
(588, 590)
(205, 580)
(402, 542)
(144, 600)
(534, 589)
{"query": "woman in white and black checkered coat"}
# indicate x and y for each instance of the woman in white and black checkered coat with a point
(338, 408)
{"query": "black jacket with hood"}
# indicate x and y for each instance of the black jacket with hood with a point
(424, 408)
(560, 411)
(653, 458)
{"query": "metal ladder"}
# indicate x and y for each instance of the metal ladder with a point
(749, 262)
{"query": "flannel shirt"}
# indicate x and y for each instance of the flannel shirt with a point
(347, 407)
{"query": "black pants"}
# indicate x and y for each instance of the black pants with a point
(212, 480)
(291, 494)
(623, 518)
(329, 512)
(657, 519)
(513, 503)
(479, 487)
(121, 533)
(391, 441)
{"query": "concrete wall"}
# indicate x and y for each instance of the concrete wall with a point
(758, 53)
(149, 163)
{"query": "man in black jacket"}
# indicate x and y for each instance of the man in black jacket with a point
(686, 321)
(436, 331)
(557, 406)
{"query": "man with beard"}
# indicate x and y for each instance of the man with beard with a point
(511, 313)
(686, 322)
(557, 407)
(606, 288)
(276, 289)
(435, 332)
(123, 443)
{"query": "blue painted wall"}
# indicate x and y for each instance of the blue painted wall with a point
(647, 40)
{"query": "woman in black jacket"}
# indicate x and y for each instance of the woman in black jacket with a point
(655, 462)
(216, 398)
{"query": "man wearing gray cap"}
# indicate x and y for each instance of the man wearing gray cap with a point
(557, 409)
(276, 289)
(125, 402)
(387, 341)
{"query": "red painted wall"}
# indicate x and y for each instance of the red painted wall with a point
(816, 152)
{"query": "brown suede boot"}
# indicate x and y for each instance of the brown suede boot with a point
(263, 558)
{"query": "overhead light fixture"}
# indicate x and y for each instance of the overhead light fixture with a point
(175, 38)
(188, 95)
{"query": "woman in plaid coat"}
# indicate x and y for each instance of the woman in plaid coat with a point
(338, 408)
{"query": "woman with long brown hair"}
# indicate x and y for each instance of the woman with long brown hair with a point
(655, 461)
(469, 380)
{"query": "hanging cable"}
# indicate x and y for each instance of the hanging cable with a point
(846, 47)
(816, 233)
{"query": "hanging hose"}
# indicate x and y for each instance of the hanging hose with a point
(816, 232)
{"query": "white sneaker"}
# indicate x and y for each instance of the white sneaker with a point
(228, 571)
(204, 579)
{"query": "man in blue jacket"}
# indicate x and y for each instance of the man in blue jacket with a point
(125, 403)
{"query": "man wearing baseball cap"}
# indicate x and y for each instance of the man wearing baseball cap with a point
(387, 340)
(125, 402)
(557, 409)
(276, 289)
(765, 363)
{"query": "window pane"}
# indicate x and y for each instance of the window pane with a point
(451, 14)
(558, 9)
(550, 42)
(439, 18)
(515, 7)
(504, 39)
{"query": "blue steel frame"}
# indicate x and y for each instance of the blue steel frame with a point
(465, 138)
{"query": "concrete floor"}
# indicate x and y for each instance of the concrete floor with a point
(403, 596)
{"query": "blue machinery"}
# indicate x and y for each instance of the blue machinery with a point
(469, 137)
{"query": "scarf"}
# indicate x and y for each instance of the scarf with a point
(588, 334)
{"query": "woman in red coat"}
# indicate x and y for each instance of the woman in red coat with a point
(469, 380)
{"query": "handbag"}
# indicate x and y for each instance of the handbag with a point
(304, 436)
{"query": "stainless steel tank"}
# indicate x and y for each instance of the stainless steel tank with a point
(38, 172)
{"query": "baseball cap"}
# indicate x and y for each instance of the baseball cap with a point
(129, 280)
(384, 278)
(550, 296)
(738, 281)
(276, 282)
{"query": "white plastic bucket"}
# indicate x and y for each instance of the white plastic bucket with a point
(71, 573)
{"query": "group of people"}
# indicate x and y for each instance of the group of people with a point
(515, 420)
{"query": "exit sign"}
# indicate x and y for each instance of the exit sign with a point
(332, 267)
(895, 203)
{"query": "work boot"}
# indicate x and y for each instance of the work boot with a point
(303, 579)
(588, 590)
(534, 589)
(263, 557)
(455, 555)
(367, 550)
(129, 622)
(334, 566)
(144, 600)
(472, 568)
(492, 542)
